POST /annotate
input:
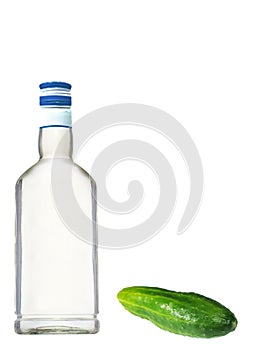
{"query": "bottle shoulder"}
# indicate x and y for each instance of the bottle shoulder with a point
(61, 166)
(83, 172)
(26, 173)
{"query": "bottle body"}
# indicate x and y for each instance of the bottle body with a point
(56, 282)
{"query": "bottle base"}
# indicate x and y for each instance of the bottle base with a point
(56, 325)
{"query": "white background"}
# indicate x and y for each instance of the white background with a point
(193, 59)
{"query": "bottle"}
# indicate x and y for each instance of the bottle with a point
(56, 269)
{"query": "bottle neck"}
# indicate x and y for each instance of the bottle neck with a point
(55, 142)
(55, 137)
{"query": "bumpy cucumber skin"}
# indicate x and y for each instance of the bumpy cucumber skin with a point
(188, 314)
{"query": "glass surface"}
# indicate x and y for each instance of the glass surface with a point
(56, 271)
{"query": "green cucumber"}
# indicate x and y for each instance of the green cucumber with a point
(188, 314)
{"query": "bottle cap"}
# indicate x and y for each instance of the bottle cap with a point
(55, 94)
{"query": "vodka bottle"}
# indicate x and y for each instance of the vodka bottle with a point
(56, 270)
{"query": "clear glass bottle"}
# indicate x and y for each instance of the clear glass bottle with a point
(56, 270)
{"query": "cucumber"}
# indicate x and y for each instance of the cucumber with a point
(188, 314)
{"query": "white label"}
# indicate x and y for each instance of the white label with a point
(55, 116)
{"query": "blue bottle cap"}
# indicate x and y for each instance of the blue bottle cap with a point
(55, 94)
